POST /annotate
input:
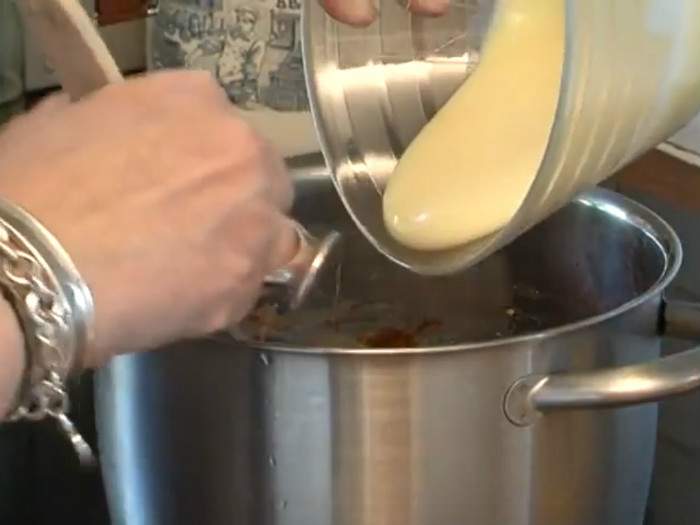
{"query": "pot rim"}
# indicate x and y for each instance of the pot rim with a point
(618, 206)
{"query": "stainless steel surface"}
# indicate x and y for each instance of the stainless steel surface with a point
(372, 90)
(289, 287)
(310, 427)
(641, 383)
(634, 384)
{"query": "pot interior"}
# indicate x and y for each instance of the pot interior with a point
(597, 254)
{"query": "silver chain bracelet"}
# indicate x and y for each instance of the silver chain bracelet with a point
(55, 310)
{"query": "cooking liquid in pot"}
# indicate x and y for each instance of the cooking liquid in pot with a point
(357, 325)
(524, 288)
(467, 172)
(334, 317)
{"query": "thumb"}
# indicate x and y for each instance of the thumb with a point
(428, 7)
(353, 12)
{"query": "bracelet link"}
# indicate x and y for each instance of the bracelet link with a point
(48, 398)
(54, 308)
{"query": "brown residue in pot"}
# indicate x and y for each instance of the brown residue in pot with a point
(391, 337)
(266, 319)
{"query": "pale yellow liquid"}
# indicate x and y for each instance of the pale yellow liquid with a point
(467, 172)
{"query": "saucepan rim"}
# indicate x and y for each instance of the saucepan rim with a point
(619, 207)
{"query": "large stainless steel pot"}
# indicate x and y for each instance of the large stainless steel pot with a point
(297, 431)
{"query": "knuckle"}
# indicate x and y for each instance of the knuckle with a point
(187, 78)
(232, 130)
(171, 86)
(251, 141)
(202, 80)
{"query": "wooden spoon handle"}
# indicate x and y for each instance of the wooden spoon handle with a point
(71, 44)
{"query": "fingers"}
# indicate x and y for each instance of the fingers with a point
(363, 12)
(285, 246)
(353, 12)
(428, 7)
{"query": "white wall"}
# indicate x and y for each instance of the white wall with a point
(689, 138)
(686, 144)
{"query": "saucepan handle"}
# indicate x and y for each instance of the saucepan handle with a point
(533, 395)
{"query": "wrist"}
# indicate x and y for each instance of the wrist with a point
(54, 321)
(12, 358)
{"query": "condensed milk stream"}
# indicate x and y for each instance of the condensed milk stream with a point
(447, 138)
(469, 169)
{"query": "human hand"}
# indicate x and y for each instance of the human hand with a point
(171, 206)
(363, 12)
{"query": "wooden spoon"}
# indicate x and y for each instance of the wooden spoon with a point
(71, 44)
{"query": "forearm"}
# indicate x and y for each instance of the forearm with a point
(11, 357)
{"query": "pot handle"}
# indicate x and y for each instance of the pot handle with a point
(532, 395)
